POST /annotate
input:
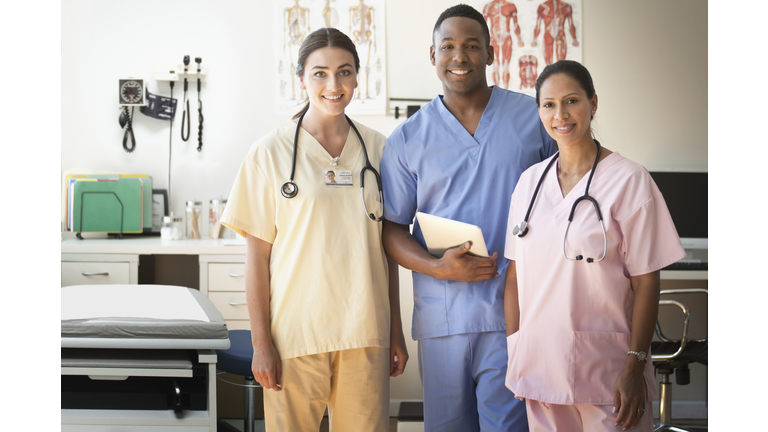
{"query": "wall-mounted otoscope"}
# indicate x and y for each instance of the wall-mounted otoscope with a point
(185, 104)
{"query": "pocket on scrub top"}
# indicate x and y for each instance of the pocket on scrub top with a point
(599, 358)
(374, 233)
(512, 375)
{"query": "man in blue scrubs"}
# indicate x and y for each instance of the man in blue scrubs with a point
(460, 157)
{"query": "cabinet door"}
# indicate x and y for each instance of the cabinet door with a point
(226, 277)
(94, 273)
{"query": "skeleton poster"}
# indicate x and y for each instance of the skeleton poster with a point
(362, 20)
(527, 35)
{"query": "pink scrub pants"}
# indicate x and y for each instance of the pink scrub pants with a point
(544, 417)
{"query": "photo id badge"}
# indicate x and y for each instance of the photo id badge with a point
(338, 178)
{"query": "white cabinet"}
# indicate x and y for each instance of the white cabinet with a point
(222, 278)
(92, 269)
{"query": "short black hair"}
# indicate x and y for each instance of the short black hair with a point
(465, 11)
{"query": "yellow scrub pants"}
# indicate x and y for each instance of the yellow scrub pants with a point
(353, 383)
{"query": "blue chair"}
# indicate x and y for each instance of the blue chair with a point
(237, 361)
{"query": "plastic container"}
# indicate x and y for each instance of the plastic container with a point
(194, 219)
(173, 228)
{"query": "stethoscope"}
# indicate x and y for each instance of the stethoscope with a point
(521, 229)
(290, 189)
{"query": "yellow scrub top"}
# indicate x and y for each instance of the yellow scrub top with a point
(328, 270)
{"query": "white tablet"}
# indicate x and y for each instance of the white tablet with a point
(441, 234)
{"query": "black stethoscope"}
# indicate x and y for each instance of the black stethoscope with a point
(290, 189)
(521, 229)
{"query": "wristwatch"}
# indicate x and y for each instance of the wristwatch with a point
(641, 355)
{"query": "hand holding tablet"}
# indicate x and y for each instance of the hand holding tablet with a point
(441, 234)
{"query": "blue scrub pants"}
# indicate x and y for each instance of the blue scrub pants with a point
(463, 380)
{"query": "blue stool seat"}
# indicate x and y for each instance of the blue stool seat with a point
(238, 358)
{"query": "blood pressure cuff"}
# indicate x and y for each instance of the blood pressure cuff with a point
(159, 107)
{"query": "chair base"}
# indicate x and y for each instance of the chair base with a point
(222, 426)
(675, 428)
(238, 425)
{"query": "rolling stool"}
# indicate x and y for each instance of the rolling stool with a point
(672, 356)
(237, 360)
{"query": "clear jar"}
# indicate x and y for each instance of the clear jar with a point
(194, 219)
(225, 232)
(177, 227)
(166, 232)
(215, 209)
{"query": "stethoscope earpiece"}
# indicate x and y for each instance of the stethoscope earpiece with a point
(289, 189)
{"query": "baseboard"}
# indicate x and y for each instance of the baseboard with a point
(394, 405)
(685, 409)
(680, 409)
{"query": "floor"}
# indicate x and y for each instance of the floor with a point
(393, 425)
(259, 426)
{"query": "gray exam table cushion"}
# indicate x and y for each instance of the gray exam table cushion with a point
(141, 332)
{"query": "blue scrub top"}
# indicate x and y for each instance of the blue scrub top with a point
(433, 165)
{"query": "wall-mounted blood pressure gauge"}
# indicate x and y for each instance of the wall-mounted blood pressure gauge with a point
(132, 92)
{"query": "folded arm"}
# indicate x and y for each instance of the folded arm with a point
(456, 264)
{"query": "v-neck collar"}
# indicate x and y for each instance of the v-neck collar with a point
(555, 192)
(349, 154)
(483, 126)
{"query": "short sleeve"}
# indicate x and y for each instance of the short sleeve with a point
(251, 204)
(509, 245)
(399, 184)
(650, 241)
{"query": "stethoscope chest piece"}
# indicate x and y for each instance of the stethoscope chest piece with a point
(289, 189)
(520, 229)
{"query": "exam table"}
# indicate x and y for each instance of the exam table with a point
(139, 358)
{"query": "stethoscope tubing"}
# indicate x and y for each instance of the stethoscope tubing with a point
(521, 229)
(290, 189)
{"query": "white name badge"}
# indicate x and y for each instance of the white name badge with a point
(338, 178)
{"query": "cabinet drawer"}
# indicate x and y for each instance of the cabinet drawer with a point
(231, 305)
(238, 325)
(94, 273)
(226, 277)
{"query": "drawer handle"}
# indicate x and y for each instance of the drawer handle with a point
(237, 304)
(95, 274)
(236, 275)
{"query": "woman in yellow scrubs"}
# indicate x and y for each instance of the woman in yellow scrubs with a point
(323, 298)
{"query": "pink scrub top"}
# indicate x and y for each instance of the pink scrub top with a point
(576, 317)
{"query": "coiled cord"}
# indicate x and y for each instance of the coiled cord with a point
(200, 126)
(129, 131)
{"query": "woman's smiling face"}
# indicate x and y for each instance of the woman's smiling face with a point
(330, 80)
(565, 110)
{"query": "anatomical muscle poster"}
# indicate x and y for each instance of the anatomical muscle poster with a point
(527, 35)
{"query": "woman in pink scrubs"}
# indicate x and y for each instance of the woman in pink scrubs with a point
(579, 330)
